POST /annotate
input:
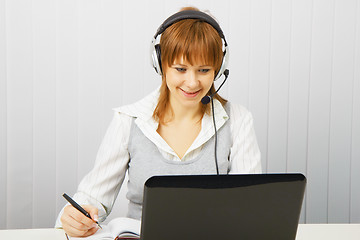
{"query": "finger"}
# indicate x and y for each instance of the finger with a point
(68, 220)
(91, 231)
(81, 218)
(93, 211)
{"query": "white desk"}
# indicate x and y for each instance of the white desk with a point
(32, 234)
(305, 232)
(328, 232)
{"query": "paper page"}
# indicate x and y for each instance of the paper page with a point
(114, 228)
(103, 234)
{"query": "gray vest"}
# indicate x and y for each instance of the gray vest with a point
(146, 161)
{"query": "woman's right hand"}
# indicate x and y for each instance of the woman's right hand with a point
(76, 224)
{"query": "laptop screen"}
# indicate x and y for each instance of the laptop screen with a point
(251, 206)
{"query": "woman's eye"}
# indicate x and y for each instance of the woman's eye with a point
(204, 70)
(180, 69)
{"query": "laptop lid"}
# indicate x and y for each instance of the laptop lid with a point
(251, 207)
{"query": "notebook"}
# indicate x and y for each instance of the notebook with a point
(247, 207)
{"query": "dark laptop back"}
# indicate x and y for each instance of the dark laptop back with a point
(207, 207)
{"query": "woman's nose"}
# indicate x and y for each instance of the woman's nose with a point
(191, 79)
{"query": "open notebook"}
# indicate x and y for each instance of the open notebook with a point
(118, 228)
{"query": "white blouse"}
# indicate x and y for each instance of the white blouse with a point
(101, 185)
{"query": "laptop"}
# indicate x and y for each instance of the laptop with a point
(209, 207)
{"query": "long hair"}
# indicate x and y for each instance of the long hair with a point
(195, 41)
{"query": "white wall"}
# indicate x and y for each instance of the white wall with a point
(65, 63)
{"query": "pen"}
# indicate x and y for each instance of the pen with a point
(78, 207)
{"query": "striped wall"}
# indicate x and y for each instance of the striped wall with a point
(295, 64)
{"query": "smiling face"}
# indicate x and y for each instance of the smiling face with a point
(188, 83)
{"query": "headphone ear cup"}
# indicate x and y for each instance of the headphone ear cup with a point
(224, 64)
(158, 57)
(221, 70)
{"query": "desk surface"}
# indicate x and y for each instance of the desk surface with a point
(305, 232)
(32, 234)
(328, 232)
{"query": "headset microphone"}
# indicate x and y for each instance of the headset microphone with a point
(206, 99)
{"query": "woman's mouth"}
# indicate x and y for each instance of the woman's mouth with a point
(190, 94)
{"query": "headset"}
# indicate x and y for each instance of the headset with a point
(156, 54)
(187, 14)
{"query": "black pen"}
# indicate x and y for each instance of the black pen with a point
(78, 207)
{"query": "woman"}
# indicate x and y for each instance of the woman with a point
(170, 131)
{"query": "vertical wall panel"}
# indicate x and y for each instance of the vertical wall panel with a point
(279, 86)
(44, 112)
(201, 4)
(238, 38)
(341, 110)
(355, 131)
(259, 71)
(66, 99)
(113, 61)
(19, 113)
(319, 111)
(3, 117)
(135, 44)
(299, 89)
(171, 7)
(91, 78)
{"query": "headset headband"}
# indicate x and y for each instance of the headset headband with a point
(190, 14)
